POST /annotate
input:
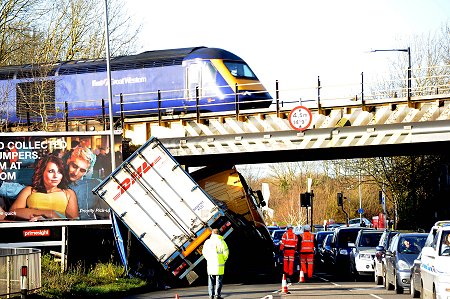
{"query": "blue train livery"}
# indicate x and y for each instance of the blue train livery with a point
(166, 81)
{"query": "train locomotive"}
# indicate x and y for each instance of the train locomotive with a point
(198, 79)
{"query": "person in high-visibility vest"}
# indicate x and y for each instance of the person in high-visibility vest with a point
(307, 252)
(215, 251)
(288, 246)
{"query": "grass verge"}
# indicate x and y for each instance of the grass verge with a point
(101, 281)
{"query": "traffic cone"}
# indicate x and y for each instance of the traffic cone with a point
(301, 277)
(176, 296)
(284, 288)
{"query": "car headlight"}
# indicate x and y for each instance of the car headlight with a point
(343, 251)
(402, 265)
(365, 256)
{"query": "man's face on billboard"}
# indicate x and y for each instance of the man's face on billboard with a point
(77, 168)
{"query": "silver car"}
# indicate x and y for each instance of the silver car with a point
(400, 256)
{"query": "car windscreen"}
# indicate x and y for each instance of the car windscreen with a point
(321, 237)
(369, 239)
(445, 243)
(411, 244)
(277, 235)
(347, 236)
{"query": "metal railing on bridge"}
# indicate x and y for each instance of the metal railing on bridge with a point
(427, 84)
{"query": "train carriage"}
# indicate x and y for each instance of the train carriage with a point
(165, 81)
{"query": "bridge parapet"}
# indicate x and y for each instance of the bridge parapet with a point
(390, 113)
(344, 132)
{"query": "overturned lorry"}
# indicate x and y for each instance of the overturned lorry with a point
(171, 214)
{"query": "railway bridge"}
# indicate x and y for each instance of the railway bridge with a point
(339, 129)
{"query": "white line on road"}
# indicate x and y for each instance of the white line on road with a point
(375, 296)
(365, 289)
(326, 280)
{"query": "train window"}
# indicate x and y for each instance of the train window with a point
(239, 69)
(37, 98)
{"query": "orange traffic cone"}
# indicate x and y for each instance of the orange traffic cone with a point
(176, 296)
(284, 288)
(301, 277)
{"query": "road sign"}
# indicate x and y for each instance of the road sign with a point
(300, 118)
(360, 211)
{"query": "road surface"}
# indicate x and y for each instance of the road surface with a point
(320, 286)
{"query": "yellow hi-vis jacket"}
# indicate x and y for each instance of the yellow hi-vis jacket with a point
(215, 251)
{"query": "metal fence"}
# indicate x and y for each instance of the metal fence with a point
(20, 270)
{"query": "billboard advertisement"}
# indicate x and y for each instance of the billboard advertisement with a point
(50, 176)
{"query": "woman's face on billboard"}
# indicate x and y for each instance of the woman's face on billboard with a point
(52, 176)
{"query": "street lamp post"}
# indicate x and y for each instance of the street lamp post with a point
(409, 75)
(110, 101)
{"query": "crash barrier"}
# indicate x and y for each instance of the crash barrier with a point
(20, 271)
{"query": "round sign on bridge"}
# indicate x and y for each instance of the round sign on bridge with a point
(300, 118)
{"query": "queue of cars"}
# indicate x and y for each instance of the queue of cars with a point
(394, 259)
(419, 262)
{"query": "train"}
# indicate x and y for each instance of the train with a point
(196, 79)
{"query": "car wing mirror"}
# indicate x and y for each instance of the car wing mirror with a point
(379, 248)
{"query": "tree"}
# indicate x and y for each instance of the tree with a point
(48, 32)
(410, 184)
(61, 30)
(16, 29)
(430, 65)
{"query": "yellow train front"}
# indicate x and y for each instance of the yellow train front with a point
(224, 80)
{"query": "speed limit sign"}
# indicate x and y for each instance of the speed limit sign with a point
(300, 118)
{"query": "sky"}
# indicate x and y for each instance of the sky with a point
(292, 41)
